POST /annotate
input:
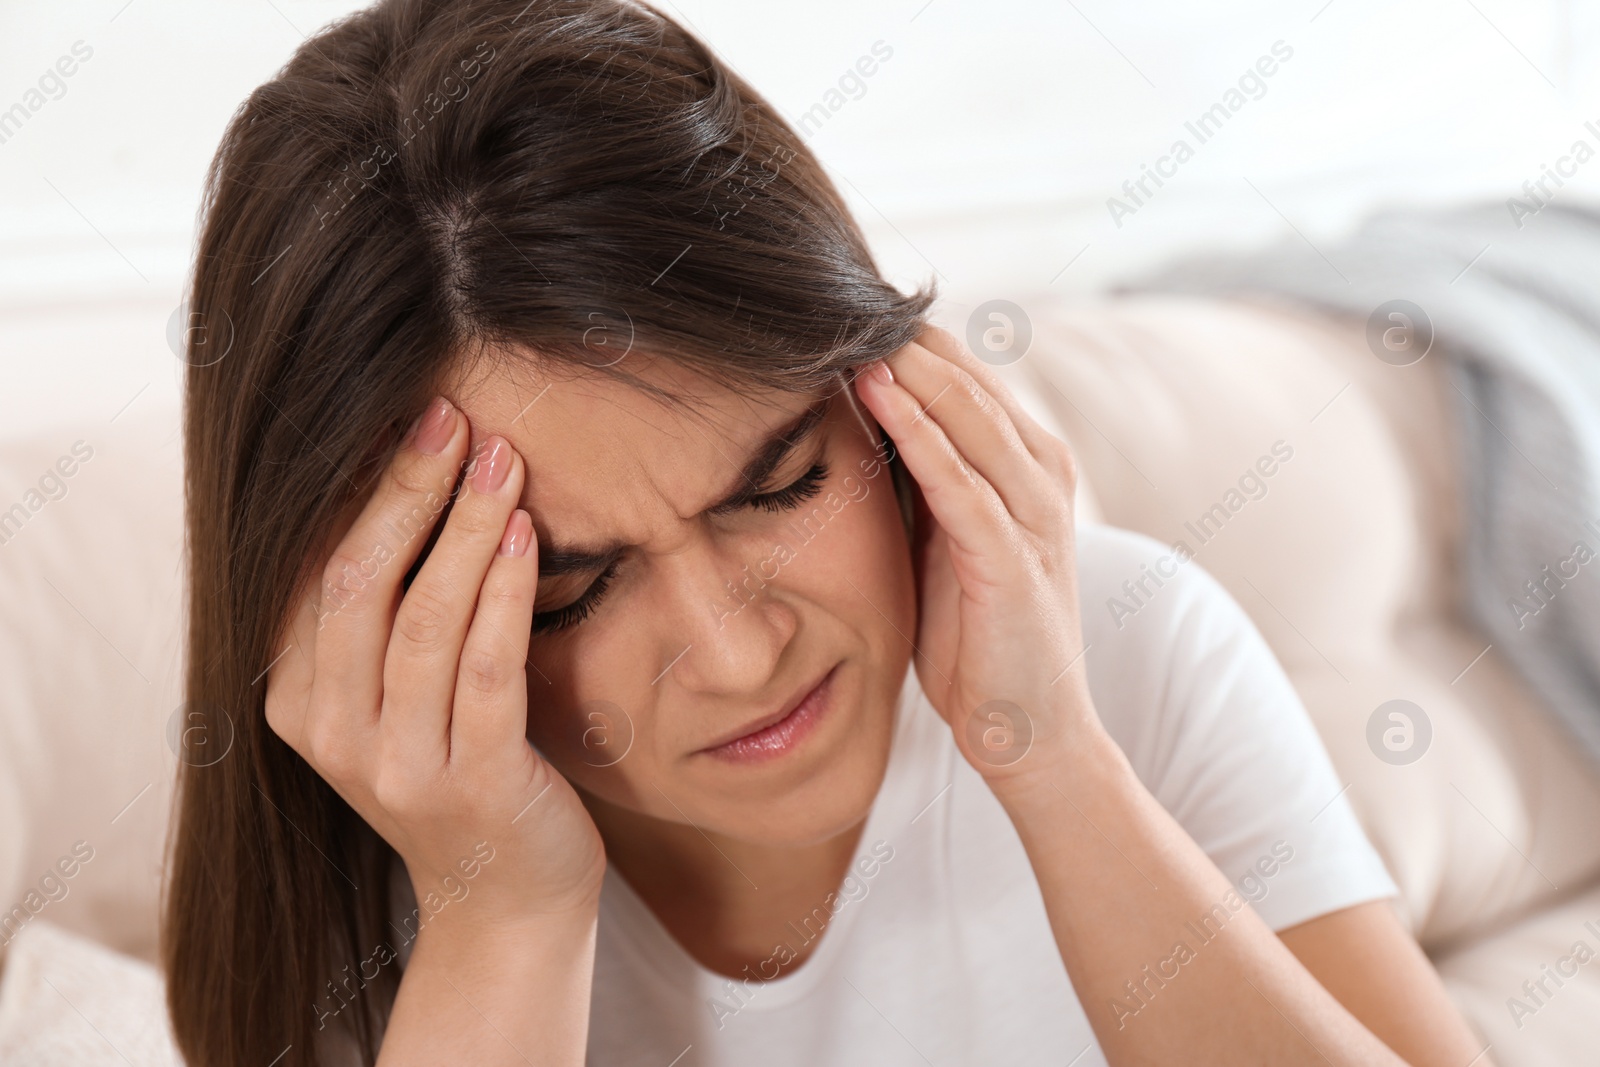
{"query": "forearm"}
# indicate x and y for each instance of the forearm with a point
(514, 993)
(1129, 893)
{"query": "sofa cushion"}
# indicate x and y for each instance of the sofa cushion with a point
(1533, 989)
(90, 672)
(69, 1000)
(1344, 556)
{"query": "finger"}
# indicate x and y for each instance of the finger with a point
(420, 667)
(362, 579)
(491, 696)
(957, 496)
(1053, 453)
(979, 429)
(1041, 442)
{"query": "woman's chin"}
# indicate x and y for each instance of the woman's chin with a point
(810, 789)
(820, 809)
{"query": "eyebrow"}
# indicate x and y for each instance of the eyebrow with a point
(561, 558)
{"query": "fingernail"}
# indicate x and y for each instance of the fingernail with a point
(491, 466)
(883, 373)
(518, 534)
(436, 426)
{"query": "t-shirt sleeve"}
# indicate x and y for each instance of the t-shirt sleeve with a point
(1218, 734)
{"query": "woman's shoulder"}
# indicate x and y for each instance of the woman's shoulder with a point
(1193, 695)
(1174, 663)
(1141, 596)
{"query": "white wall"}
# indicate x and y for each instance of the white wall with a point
(984, 149)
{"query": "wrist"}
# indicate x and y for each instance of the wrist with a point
(479, 983)
(1060, 769)
(479, 902)
(493, 935)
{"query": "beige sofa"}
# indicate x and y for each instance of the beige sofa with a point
(1346, 561)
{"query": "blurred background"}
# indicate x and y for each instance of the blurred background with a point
(981, 151)
(1004, 149)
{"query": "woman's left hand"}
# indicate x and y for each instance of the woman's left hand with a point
(999, 647)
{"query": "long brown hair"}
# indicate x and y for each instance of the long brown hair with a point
(426, 179)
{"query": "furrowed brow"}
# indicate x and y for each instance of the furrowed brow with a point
(559, 558)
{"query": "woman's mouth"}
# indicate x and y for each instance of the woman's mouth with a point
(784, 735)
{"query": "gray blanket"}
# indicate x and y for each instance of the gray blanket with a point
(1514, 306)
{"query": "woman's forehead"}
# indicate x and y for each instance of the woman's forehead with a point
(576, 415)
(600, 452)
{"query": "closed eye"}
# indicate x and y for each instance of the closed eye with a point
(789, 497)
(578, 610)
(795, 493)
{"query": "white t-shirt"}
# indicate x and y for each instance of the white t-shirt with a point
(939, 950)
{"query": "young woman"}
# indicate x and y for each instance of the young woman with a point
(650, 643)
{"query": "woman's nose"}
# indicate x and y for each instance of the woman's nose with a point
(733, 621)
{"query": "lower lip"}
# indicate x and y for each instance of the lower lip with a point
(783, 736)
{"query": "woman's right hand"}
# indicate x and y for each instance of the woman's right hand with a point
(413, 703)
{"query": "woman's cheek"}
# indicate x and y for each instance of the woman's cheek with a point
(883, 554)
(556, 725)
(856, 563)
(594, 741)
(602, 734)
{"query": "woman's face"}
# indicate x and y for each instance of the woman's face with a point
(701, 569)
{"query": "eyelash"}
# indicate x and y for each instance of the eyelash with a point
(795, 493)
(578, 610)
(789, 497)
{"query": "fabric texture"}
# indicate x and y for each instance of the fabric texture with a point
(69, 1000)
(1509, 302)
